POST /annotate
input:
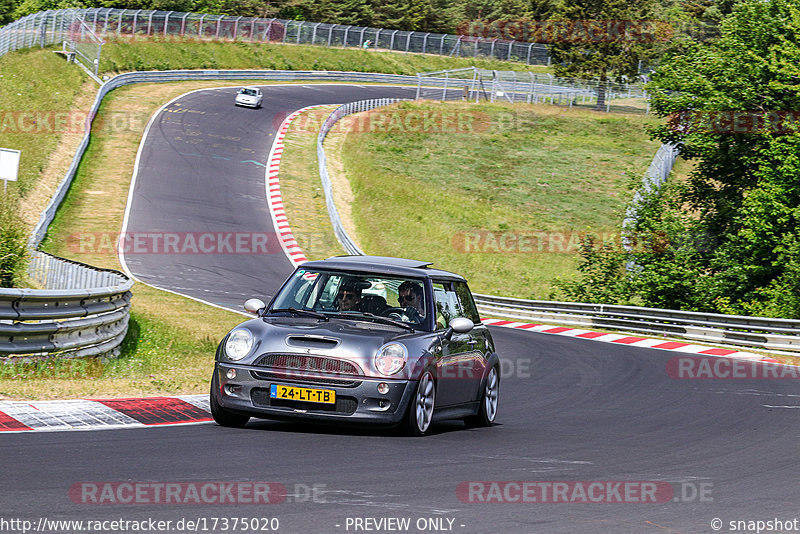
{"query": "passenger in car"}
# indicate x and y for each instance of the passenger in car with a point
(349, 297)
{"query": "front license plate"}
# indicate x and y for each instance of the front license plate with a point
(324, 396)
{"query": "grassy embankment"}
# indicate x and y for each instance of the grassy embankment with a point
(170, 346)
(506, 200)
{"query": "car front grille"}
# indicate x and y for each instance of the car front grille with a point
(344, 405)
(325, 380)
(307, 363)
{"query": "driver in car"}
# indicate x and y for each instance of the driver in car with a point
(410, 297)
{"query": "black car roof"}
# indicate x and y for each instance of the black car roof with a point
(383, 265)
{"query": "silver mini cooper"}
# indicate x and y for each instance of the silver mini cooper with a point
(360, 339)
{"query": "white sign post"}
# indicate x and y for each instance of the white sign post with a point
(9, 166)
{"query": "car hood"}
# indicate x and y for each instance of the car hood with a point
(356, 341)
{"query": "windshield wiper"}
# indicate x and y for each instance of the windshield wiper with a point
(373, 317)
(297, 311)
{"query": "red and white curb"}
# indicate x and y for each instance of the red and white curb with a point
(274, 198)
(633, 341)
(60, 415)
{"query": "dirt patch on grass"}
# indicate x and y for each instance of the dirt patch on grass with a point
(34, 203)
(343, 196)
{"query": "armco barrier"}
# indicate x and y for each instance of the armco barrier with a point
(84, 312)
(342, 111)
(780, 335)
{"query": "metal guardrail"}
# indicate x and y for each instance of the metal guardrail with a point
(342, 111)
(49, 27)
(780, 335)
(777, 335)
(84, 311)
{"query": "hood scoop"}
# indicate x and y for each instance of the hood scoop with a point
(313, 342)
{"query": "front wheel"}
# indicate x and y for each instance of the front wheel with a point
(221, 416)
(420, 413)
(487, 411)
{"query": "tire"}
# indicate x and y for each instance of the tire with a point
(221, 416)
(420, 412)
(490, 398)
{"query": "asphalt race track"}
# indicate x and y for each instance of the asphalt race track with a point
(572, 411)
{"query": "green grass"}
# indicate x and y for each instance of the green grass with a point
(527, 170)
(37, 89)
(157, 54)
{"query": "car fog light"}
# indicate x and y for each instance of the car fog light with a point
(383, 388)
(231, 374)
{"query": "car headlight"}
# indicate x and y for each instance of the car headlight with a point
(391, 358)
(239, 343)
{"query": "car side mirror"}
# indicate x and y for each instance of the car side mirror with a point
(254, 306)
(459, 325)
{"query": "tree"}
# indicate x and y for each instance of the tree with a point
(603, 39)
(731, 108)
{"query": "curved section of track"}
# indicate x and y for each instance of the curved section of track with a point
(201, 171)
(571, 409)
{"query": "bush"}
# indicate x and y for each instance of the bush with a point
(12, 244)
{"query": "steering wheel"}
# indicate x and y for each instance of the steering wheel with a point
(407, 315)
(394, 313)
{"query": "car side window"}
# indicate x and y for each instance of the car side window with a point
(466, 302)
(447, 304)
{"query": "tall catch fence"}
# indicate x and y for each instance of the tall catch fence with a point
(50, 27)
(473, 84)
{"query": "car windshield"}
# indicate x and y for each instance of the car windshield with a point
(248, 92)
(357, 296)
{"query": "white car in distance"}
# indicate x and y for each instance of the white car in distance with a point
(249, 97)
